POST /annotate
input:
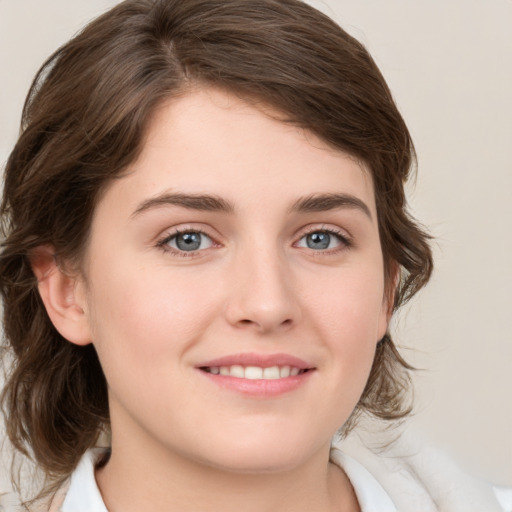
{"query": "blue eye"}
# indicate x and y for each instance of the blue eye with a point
(188, 241)
(322, 240)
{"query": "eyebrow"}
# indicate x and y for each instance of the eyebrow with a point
(325, 202)
(201, 202)
(207, 202)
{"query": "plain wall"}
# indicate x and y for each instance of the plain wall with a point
(449, 65)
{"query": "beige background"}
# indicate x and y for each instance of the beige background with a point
(449, 64)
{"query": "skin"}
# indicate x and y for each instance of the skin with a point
(255, 285)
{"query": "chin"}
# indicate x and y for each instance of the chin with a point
(259, 462)
(261, 454)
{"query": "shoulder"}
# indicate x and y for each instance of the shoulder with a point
(54, 503)
(9, 502)
(504, 496)
(417, 476)
(79, 494)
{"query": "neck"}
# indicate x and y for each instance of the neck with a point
(141, 477)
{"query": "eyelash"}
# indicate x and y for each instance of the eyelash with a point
(163, 243)
(342, 237)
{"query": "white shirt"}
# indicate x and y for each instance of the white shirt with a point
(84, 496)
(423, 482)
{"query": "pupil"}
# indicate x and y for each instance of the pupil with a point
(188, 241)
(318, 240)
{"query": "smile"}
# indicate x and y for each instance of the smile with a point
(255, 372)
(260, 376)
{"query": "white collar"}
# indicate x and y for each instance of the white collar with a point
(370, 494)
(84, 496)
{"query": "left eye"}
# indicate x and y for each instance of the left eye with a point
(189, 241)
(321, 240)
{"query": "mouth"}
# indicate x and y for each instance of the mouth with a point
(258, 375)
(256, 372)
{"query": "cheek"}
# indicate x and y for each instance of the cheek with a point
(143, 312)
(144, 323)
(351, 319)
(350, 305)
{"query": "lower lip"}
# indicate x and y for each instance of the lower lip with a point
(264, 388)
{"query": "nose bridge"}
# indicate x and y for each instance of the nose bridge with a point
(262, 292)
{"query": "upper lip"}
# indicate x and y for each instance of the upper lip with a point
(261, 360)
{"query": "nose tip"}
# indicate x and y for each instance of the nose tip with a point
(265, 321)
(263, 299)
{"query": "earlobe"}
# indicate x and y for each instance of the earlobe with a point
(62, 295)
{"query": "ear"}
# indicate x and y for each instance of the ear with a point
(63, 295)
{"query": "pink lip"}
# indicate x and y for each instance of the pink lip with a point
(262, 360)
(259, 388)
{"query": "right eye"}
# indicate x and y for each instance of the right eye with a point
(186, 241)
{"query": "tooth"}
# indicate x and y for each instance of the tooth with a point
(253, 373)
(271, 373)
(284, 372)
(237, 371)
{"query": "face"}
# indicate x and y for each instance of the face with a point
(233, 288)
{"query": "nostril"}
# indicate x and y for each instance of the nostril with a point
(246, 321)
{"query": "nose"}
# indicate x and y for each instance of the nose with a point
(262, 293)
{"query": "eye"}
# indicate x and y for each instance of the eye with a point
(322, 240)
(187, 241)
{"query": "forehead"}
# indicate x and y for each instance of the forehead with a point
(209, 141)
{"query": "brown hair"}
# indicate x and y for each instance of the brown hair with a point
(83, 123)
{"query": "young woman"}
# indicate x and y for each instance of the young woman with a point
(205, 239)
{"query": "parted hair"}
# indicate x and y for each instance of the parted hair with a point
(84, 122)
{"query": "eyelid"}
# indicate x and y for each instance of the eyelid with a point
(343, 236)
(345, 239)
(170, 233)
